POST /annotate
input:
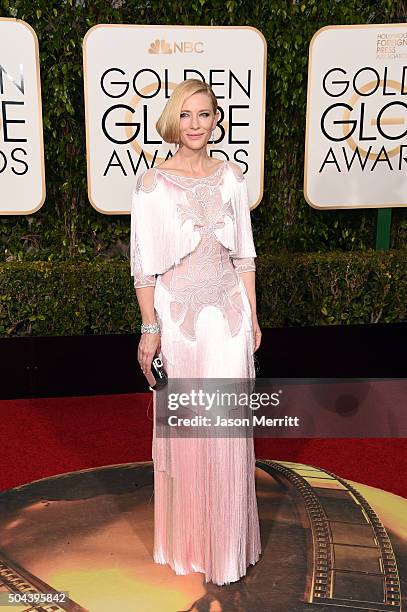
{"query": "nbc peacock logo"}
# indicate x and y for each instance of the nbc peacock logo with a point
(160, 46)
(181, 46)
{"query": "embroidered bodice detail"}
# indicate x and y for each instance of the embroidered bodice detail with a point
(207, 276)
(204, 205)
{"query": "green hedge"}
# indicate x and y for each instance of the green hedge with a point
(45, 298)
(332, 288)
(67, 226)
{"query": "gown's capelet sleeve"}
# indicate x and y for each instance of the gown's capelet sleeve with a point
(162, 231)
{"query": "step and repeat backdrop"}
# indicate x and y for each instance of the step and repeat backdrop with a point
(356, 123)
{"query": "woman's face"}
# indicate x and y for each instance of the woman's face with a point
(197, 120)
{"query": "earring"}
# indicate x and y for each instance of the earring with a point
(213, 136)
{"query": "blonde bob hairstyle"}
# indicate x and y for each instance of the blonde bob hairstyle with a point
(168, 123)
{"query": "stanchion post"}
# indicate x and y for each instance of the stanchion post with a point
(383, 226)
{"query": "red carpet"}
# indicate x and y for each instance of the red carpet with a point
(48, 436)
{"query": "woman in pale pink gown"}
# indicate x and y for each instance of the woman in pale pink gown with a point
(192, 258)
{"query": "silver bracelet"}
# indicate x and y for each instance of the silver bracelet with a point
(150, 328)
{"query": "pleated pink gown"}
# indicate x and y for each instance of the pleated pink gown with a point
(205, 507)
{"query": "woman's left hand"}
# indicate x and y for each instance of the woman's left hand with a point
(256, 332)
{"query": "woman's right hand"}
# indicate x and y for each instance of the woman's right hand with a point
(149, 346)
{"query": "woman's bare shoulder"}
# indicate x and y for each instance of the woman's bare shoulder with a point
(166, 165)
(147, 180)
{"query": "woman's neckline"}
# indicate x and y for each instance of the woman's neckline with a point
(192, 178)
